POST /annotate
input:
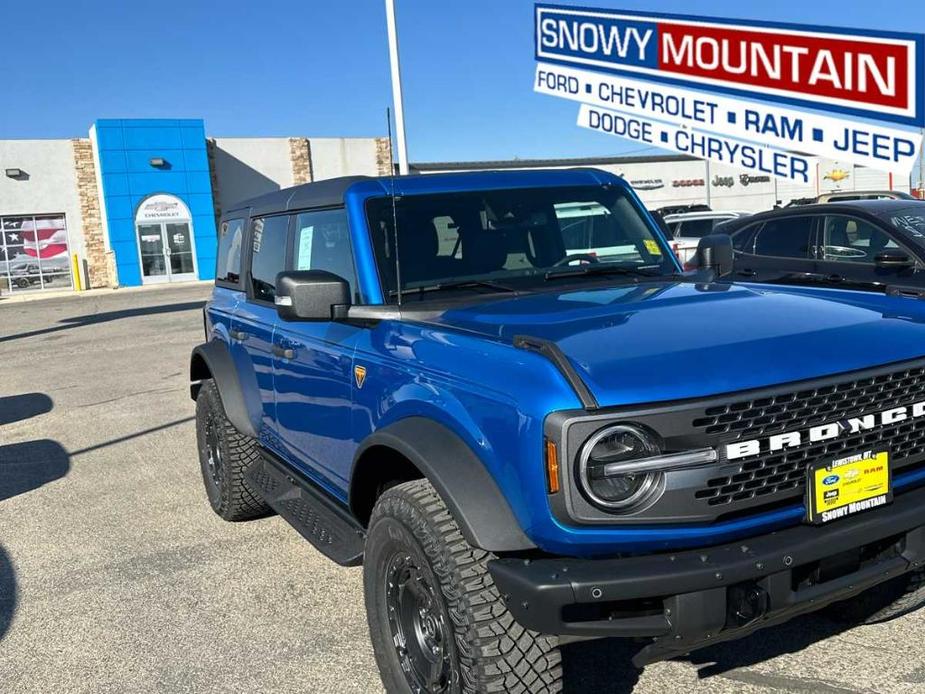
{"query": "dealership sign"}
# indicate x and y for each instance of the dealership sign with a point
(691, 74)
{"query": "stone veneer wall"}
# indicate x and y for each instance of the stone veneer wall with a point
(300, 155)
(383, 156)
(99, 262)
(213, 176)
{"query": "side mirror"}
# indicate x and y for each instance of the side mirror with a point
(311, 295)
(714, 252)
(893, 259)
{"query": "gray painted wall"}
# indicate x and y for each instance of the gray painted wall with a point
(249, 166)
(51, 186)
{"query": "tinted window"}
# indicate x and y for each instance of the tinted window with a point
(696, 228)
(742, 240)
(322, 242)
(268, 257)
(852, 240)
(228, 265)
(785, 238)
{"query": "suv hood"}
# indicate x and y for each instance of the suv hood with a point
(652, 342)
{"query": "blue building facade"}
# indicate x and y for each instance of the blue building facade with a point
(157, 199)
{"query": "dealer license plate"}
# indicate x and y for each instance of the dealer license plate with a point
(846, 486)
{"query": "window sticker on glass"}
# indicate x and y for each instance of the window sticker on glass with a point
(258, 234)
(652, 247)
(306, 236)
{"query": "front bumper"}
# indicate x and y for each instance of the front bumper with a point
(690, 599)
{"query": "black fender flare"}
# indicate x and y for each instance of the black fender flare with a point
(459, 476)
(221, 369)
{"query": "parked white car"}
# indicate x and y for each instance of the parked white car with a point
(688, 228)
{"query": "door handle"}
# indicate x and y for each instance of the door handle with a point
(283, 352)
(238, 335)
(835, 278)
(746, 273)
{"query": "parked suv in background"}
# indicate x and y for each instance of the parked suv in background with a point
(865, 244)
(420, 376)
(687, 229)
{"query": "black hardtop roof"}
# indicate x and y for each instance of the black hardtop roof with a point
(320, 194)
(868, 206)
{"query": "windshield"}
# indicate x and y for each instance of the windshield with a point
(910, 219)
(513, 239)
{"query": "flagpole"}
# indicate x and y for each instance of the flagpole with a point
(396, 88)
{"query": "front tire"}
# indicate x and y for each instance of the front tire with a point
(225, 455)
(436, 620)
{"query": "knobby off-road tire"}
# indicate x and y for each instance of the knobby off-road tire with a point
(895, 598)
(434, 609)
(225, 455)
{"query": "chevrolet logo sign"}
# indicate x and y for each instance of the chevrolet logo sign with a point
(824, 432)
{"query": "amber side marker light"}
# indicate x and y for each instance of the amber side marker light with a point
(552, 467)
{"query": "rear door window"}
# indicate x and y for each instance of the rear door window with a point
(228, 263)
(788, 237)
(269, 236)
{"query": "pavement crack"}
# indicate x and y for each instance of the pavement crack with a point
(127, 395)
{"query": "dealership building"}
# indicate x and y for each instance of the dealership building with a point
(136, 201)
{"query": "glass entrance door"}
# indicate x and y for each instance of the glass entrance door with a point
(166, 252)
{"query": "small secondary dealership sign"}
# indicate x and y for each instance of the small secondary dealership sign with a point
(872, 74)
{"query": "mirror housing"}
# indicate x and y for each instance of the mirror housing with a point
(311, 295)
(714, 252)
(893, 259)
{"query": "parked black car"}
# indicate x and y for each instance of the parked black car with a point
(863, 244)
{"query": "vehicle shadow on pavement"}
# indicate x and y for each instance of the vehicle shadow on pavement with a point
(15, 408)
(105, 317)
(8, 597)
(29, 465)
(766, 644)
(604, 666)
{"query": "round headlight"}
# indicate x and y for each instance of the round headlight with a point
(601, 480)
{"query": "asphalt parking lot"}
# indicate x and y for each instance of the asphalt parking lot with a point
(115, 576)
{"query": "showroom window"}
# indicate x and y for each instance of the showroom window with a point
(34, 253)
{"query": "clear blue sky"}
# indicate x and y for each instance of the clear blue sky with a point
(320, 67)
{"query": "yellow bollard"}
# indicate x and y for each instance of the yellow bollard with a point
(76, 271)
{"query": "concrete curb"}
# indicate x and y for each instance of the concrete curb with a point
(16, 297)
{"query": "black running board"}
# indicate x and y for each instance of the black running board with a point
(320, 519)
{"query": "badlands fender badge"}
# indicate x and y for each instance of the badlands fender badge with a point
(359, 375)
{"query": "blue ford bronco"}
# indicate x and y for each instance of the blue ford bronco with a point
(500, 394)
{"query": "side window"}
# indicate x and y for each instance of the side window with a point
(322, 242)
(742, 240)
(788, 237)
(852, 240)
(228, 263)
(268, 254)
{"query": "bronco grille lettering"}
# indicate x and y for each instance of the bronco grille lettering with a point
(823, 432)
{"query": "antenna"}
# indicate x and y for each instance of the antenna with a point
(388, 118)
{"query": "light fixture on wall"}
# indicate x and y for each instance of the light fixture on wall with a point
(157, 162)
(15, 173)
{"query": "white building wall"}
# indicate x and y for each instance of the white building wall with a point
(249, 166)
(340, 156)
(51, 186)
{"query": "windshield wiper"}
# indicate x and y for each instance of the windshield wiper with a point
(460, 284)
(604, 269)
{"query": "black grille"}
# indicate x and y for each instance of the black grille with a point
(784, 473)
(805, 408)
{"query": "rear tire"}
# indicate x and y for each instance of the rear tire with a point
(895, 598)
(225, 455)
(436, 620)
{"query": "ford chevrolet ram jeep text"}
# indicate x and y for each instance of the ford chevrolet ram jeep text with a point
(525, 445)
